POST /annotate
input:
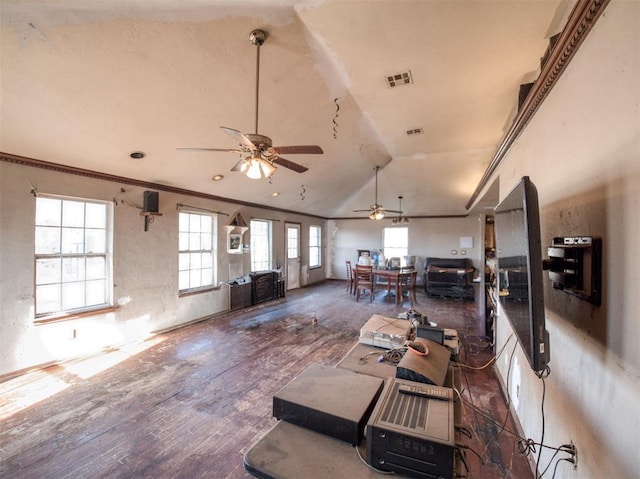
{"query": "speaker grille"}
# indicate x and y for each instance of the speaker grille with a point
(406, 411)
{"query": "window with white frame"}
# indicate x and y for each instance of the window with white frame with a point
(395, 242)
(197, 241)
(72, 255)
(315, 244)
(260, 231)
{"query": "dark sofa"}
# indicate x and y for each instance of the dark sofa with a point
(451, 277)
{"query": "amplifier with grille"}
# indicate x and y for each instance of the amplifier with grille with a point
(412, 435)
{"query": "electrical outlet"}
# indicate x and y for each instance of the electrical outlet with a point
(574, 453)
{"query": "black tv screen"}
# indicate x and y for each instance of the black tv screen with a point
(520, 270)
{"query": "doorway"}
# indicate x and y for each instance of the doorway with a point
(292, 231)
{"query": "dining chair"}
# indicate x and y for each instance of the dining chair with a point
(407, 284)
(364, 280)
(350, 279)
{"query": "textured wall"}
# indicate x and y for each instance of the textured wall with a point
(582, 152)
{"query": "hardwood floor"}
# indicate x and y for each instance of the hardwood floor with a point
(190, 402)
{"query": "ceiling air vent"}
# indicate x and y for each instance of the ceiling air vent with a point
(399, 79)
(415, 131)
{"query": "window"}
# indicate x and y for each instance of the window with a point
(72, 255)
(197, 251)
(260, 245)
(396, 242)
(315, 243)
(293, 241)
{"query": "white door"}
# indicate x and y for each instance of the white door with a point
(293, 255)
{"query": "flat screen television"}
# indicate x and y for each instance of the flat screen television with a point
(520, 270)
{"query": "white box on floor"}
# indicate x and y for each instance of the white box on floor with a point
(385, 332)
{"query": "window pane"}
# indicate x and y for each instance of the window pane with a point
(48, 298)
(207, 275)
(205, 241)
(72, 269)
(95, 215)
(96, 292)
(183, 261)
(194, 279)
(96, 268)
(207, 260)
(205, 224)
(194, 241)
(183, 280)
(72, 296)
(183, 241)
(48, 212)
(194, 261)
(72, 213)
(183, 222)
(72, 240)
(47, 240)
(48, 270)
(396, 242)
(95, 240)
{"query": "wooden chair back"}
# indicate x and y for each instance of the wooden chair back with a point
(350, 278)
(364, 280)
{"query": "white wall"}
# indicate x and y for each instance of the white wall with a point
(582, 151)
(145, 266)
(435, 237)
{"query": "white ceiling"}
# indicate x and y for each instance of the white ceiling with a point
(85, 83)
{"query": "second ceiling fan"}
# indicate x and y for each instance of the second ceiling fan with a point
(262, 155)
(376, 210)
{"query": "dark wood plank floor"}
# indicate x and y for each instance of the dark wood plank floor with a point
(190, 402)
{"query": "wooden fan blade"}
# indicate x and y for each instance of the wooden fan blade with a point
(362, 211)
(242, 139)
(391, 211)
(278, 160)
(232, 150)
(297, 150)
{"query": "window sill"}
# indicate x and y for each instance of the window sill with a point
(69, 316)
(191, 292)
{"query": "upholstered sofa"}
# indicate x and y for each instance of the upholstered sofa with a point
(451, 277)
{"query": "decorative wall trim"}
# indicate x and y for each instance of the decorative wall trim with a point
(583, 17)
(72, 170)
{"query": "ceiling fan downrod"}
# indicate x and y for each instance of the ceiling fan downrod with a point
(257, 38)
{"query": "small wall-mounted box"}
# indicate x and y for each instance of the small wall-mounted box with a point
(575, 266)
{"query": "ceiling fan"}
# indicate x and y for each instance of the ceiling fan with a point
(262, 155)
(376, 210)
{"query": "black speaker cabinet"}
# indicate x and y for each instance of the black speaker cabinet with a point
(150, 202)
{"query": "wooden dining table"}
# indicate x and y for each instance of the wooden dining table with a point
(392, 276)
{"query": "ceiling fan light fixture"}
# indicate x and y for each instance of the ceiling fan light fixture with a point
(257, 168)
(376, 215)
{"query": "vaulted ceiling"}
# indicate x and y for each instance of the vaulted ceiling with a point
(87, 82)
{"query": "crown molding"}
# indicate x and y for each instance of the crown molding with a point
(97, 175)
(581, 20)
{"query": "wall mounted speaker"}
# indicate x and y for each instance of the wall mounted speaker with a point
(150, 202)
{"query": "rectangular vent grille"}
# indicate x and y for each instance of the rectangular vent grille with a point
(399, 79)
(415, 131)
(407, 411)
